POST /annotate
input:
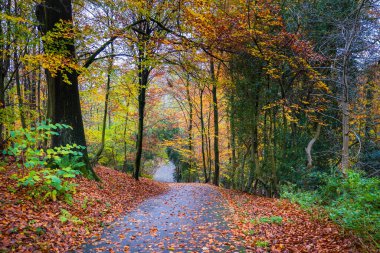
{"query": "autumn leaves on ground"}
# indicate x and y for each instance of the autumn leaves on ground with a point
(28, 224)
(254, 224)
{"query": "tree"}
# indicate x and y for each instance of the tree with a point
(56, 23)
(350, 31)
(216, 123)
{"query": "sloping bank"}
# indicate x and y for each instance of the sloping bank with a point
(29, 224)
(276, 225)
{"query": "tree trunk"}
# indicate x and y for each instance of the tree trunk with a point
(254, 154)
(242, 168)
(125, 135)
(190, 127)
(216, 124)
(18, 90)
(2, 107)
(209, 155)
(233, 143)
(310, 146)
(104, 125)
(203, 136)
(143, 82)
(63, 92)
(345, 142)
(345, 114)
(255, 143)
(351, 33)
(4, 66)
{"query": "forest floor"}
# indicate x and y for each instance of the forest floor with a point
(122, 215)
(31, 225)
(276, 225)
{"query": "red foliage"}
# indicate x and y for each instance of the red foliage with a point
(29, 225)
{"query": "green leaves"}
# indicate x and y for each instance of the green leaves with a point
(66, 216)
(352, 201)
(50, 183)
(48, 170)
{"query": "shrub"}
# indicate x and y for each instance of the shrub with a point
(47, 170)
(352, 202)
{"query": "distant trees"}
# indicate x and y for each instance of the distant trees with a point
(155, 16)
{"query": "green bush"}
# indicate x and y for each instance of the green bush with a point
(47, 169)
(305, 199)
(352, 202)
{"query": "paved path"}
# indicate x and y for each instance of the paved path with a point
(165, 173)
(188, 218)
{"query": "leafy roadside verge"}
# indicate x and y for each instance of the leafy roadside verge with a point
(279, 226)
(28, 224)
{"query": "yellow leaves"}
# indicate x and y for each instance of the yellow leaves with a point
(322, 86)
(274, 73)
(55, 63)
(63, 30)
(273, 104)
(14, 19)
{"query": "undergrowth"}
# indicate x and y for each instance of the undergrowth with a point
(44, 171)
(352, 201)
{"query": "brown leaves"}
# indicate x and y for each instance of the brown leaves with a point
(297, 232)
(153, 231)
(28, 224)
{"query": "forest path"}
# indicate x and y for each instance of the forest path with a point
(188, 218)
(165, 173)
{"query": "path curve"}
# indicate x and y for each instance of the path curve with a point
(188, 218)
(165, 173)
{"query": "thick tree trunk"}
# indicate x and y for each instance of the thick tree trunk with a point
(16, 65)
(216, 124)
(63, 91)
